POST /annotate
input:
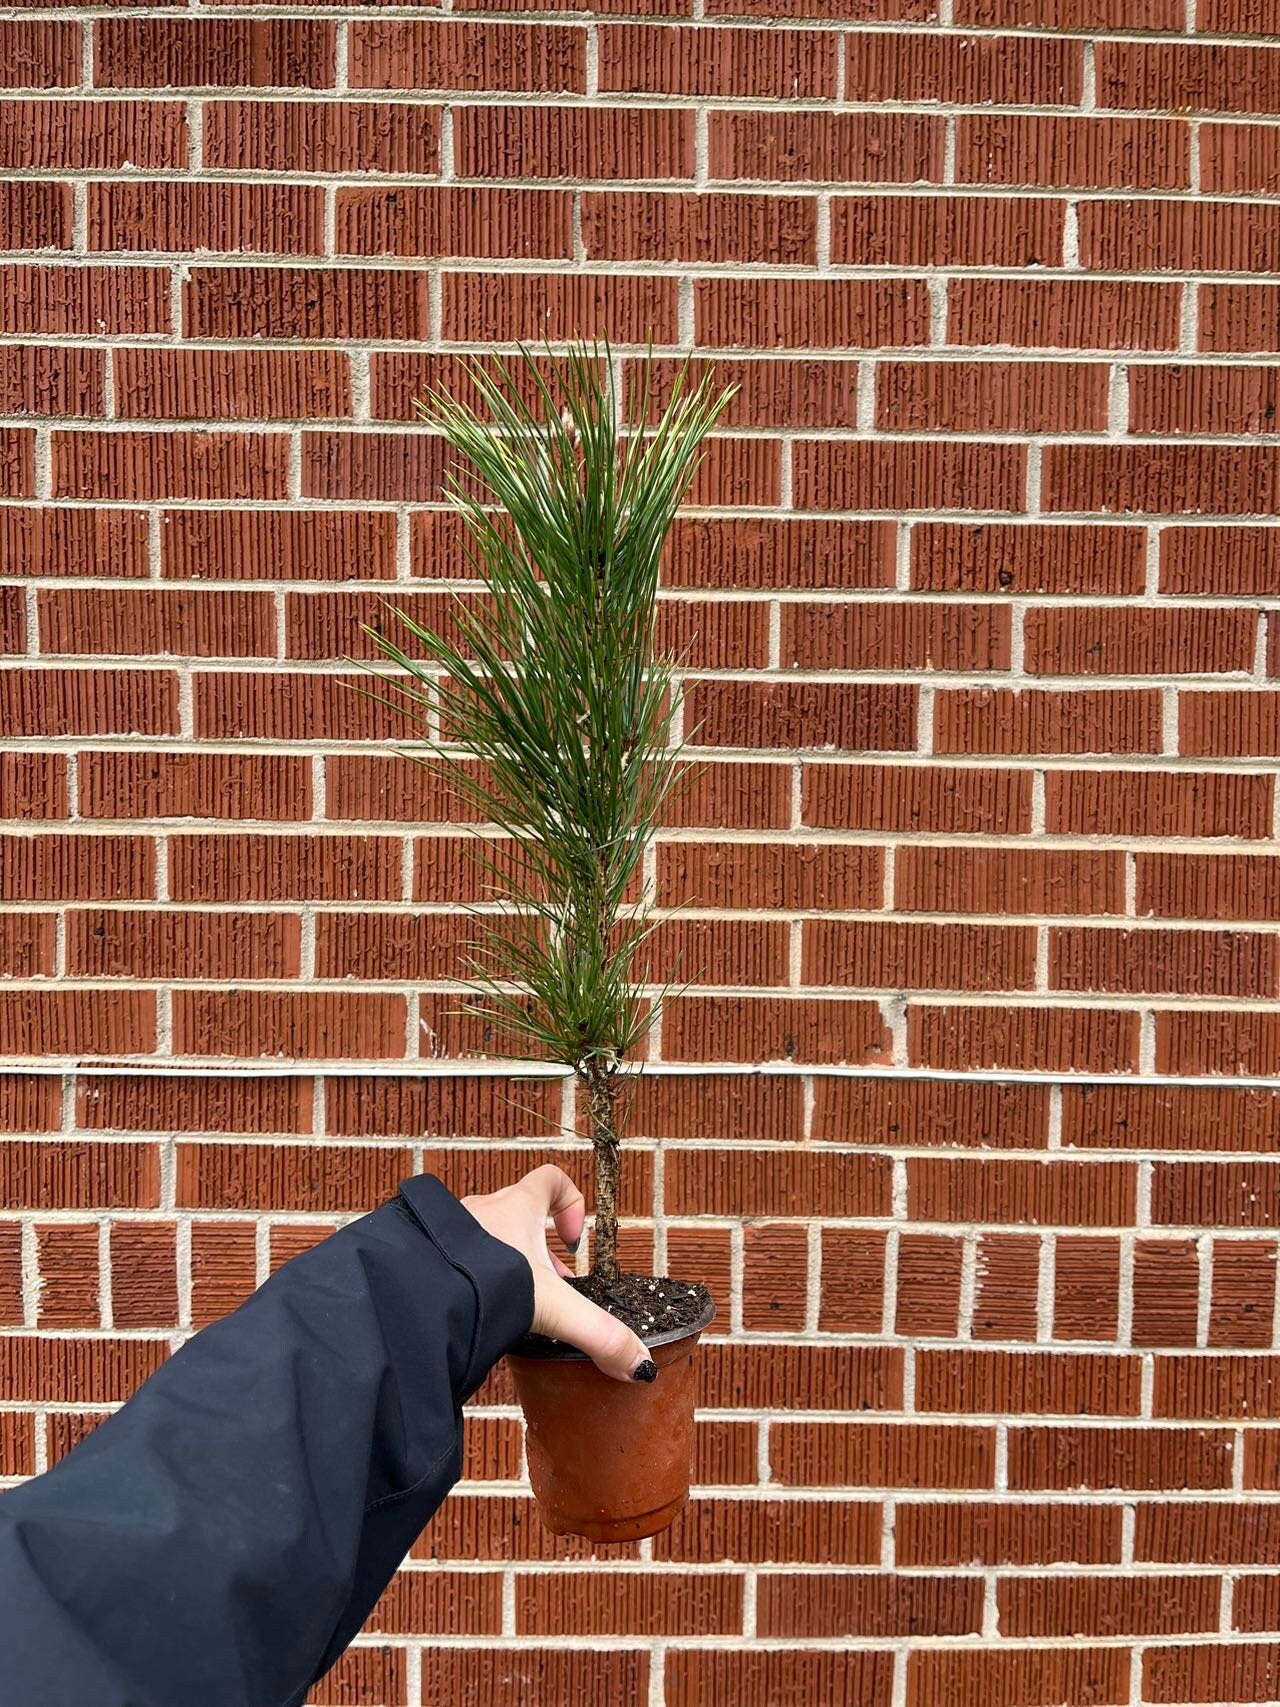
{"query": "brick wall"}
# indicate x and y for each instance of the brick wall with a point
(976, 589)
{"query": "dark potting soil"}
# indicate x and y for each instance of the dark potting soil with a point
(648, 1304)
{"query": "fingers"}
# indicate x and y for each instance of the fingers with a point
(567, 1315)
(559, 1198)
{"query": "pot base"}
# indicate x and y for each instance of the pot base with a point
(610, 1459)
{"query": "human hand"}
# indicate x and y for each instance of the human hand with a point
(518, 1216)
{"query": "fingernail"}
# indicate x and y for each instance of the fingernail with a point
(646, 1371)
(573, 1248)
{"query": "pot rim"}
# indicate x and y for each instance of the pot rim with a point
(557, 1351)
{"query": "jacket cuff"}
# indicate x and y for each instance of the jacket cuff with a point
(500, 1276)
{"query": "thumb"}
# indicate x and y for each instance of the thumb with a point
(566, 1315)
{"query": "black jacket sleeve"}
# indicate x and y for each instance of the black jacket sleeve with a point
(220, 1540)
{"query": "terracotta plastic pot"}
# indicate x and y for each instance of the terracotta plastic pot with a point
(610, 1459)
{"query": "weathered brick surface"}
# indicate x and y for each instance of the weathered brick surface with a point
(982, 679)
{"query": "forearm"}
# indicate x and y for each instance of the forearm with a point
(221, 1539)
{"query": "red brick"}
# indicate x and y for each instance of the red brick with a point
(1007, 1277)
(877, 635)
(17, 1444)
(932, 878)
(68, 1271)
(35, 215)
(1240, 1671)
(750, 64)
(30, 1103)
(789, 1531)
(123, 622)
(852, 1300)
(1036, 720)
(1166, 1279)
(1024, 1039)
(774, 1278)
(323, 545)
(730, 794)
(508, 307)
(925, 956)
(202, 466)
(45, 541)
(906, 66)
(1187, 77)
(83, 301)
(989, 397)
(73, 1174)
(1239, 317)
(39, 54)
(193, 785)
(441, 1604)
(787, 1677)
(1195, 399)
(1243, 1296)
(1224, 560)
(919, 1113)
(307, 303)
(1074, 14)
(441, 54)
(77, 1022)
(767, 1110)
(538, 1677)
(320, 136)
(56, 701)
(43, 380)
(1002, 557)
(33, 786)
(1242, 1386)
(942, 230)
(289, 1241)
(77, 1371)
(262, 1022)
(797, 314)
(303, 1177)
(27, 945)
(1066, 314)
(1207, 1532)
(1189, 963)
(1222, 1042)
(816, 876)
(171, 1103)
(1230, 1194)
(168, 53)
(144, 1274)
(432, 220)
(928, 1296)
(1141, 1459)
(290, 708)
(1157, 803)
(17, 463)
(1254, 1606)
(866, 474)
(369, 1674)
(973, 1534)
(285, 868)
(918, 797)
(1180, 1117)
(1229, 725)
(126, 943)
(782, 1182)
(1156, 236)
(631, 1605)
(223, 1268)
(1076, 1676)
(1187, 479)
(374, 946)
(1239, 160)
(882, 1455)
(775, 145)
(595, 143)
(92, 136)
(863, 1605)
(851, 716)
(1239, 17)
(1037, 1193)
(231, 385)
(1073, 153)
(798, 393)
(1057, 1607)
(1066, 641)
(265, 219)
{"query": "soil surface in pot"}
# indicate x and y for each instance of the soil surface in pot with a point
(648, 1304)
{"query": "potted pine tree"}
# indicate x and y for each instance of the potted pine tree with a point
(548, 707)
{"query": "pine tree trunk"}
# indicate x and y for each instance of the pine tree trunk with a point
(601, 1086)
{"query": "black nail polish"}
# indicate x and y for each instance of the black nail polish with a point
(646, 1371)
(573, 1248)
